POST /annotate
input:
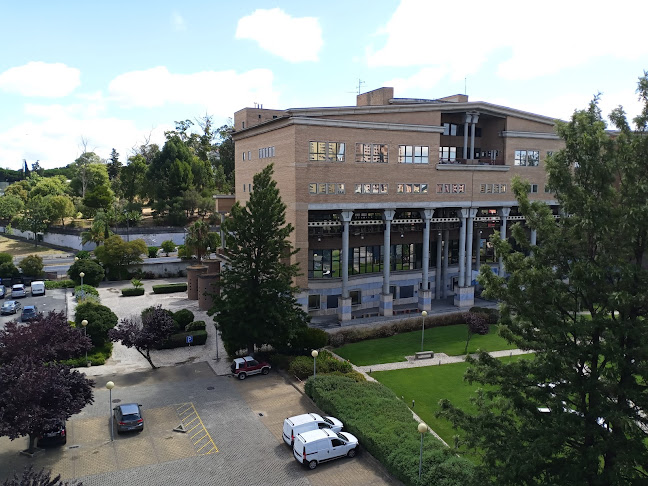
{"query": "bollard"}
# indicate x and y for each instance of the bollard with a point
(412, 403)
(369, 370)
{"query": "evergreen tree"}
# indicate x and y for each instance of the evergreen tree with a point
(257, 304)
(114, 165)
(574, 414)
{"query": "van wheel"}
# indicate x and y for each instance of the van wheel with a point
(265, 371)
(312, 464)
(242, 376)
(352, 453)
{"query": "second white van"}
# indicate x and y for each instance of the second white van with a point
(308, 421)
(38, 287)
(323, 445)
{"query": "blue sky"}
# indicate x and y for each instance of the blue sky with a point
(116, 73)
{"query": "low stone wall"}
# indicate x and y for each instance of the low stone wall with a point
(163, 267)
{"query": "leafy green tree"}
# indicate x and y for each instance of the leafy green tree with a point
(8, 270)
(10, 205)
(36, 217)
(101, 197)
(226, 155)
(5, 258)
(86, 171)
(199, 239)
(20, 189)
(49, 186)
(114, 165)
(61, 207)
(258, 250)
(578, 300)
(116, 254)
(100, 320)
(132, 180)
(32, 266)
(93, 272)
(168, 246)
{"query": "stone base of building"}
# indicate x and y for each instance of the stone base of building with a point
(344, 309)
(386, 305)
(424, 300)
(464, 297)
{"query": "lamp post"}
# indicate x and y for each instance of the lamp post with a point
(81, 275)
(423, 315)
(84, 323)
(110, 385)
(422, 429)
(314, 354)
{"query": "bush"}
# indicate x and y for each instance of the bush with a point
(97, 356)
(183, 252)
(59, 284)
(100, 320)
(152, 251)
(279, 360)
(311, 338)
(169, 288)
(8, 270)
(302, 366)
(168, 246)
(492, 314)
(86, 289)
(180, 339)
(132, 292)
(196, 326)
(136, 283)
(385, 428)
(94, 273)
(32, 266)
(83, 255)
(5, 258)
(183, 318)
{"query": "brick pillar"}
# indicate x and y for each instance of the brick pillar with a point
(192, 280)
(213, 266)
(208, 284)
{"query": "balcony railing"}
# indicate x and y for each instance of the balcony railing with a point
(479, 161)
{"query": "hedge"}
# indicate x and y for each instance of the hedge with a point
(385, 428)
(302, 366)
(169, 288)
(492, 314)
(196, 326)
(179, 340)
(59, 284)
(183, 318)
(353, 335)
(129, 292)
(96, 356)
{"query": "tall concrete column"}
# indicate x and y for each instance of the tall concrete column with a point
(344, 302)
(477, 250)
(463, 214)
(472, 212)
(504, 214)
(475, 119)
(446, 247)
(425, 294)
(386, 298)
(437, 276)
(467, 120)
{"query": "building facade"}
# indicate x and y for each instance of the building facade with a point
(393, 200)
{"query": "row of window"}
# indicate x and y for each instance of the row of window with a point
(492, 188)
(450, 188)
(411, 188)
(530, 158)
(453, 129)
(266, 152)
(326, 188)
(405, 188)
(371, 188)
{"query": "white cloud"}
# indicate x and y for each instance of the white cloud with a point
(557, 35)
(178, 22)
(293, 39)
(423, 80)
(221, 93)
(52, 80)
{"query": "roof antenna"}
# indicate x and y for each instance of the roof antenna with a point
(465, 86)
(360, 83)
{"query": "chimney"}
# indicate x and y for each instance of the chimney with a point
(380, 96)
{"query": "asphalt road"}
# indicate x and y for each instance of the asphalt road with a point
(53, 299)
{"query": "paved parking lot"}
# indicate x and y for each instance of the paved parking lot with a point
(53, 299)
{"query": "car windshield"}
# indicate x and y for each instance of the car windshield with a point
(328, 420)
(343, 437)
(131, 416)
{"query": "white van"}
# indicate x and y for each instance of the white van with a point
(307, 421)
(38, 287)
(323, 445)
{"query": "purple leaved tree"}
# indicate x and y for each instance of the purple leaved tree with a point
(29, 477)
(35, 396)
(146, 333)
(477, 323)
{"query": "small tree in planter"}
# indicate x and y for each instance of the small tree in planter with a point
(168, 246)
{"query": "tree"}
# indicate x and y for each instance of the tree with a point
(19, 189)
(29, 477)
(199, 239)
(116, 254)
(100, 320)
(36, 217)
(168, 246)
(477, 323)
(32, 266)
(578, 299)
(114, 165)
(10, 205)
(8, 270)
(49, 186)
(61, 207)
(132, 180)
(93, 272)
(226, 156)
(146, 333)
(88, 173)
(258, 250)
(101, 197)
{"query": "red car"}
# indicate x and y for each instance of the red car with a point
(242, 367)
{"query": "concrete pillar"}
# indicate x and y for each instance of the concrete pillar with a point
(467, 120)
(463, 214)
(475, 119)
(469, 242)
(437, 275)
(344, 302)
(386, 298)
(478, 237)
(425, 294)
(446, 247)
(504, 214)
(192, 280)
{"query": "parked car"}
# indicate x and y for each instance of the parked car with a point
(29, 313)
(242, 367)
(3, 291)
(38, 287)
(18, 291)
(56, 435)
(294, 426)
(323, 445)
(10, 307)
(129, 417)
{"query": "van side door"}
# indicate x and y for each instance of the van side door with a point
(338, 448)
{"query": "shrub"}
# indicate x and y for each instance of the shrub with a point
(136, 283)
(94, 273)
(279, 360)
(311, 338)
(59, 284)
(180, 339)
(86, 289)
(152, 251)
(83, 255)
(301, 367)
(5, 258)
(149, 309)
(97, 356)
(183, 252)
(492, 314)
(169, 288)
(168, 246)
(32, 266)
(183, 318)
(8, 270)
(132, 292)
(100, 320)
(384, 426)
(196, 326)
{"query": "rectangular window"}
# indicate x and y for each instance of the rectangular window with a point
(533, 188)
(340, 189)
(312, 188)
(356, 297)
(529, 158)
(326, 151)
(371, 152)
(249, 155)
(243, 155)
(447, 154)
(413, 154)
(314, 302)
(450, 129)
(548, 189)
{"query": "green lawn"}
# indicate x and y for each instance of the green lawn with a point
(450, 340)
(429, 384)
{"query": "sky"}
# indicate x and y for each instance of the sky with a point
(104, 75)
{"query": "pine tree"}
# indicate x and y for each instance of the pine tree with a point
(257, 305)
(114, 166)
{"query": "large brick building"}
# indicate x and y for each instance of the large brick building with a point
(428, 179)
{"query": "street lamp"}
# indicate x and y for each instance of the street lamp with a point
(82, 275)
(314, 354)
(423, 315)
(110, 385)
(84, 323)
(422, 429)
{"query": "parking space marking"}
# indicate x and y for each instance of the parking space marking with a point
(185, 412)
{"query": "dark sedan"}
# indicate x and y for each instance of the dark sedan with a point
(10, 307)
(56, 435)
(29, 313)
(129, 417)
